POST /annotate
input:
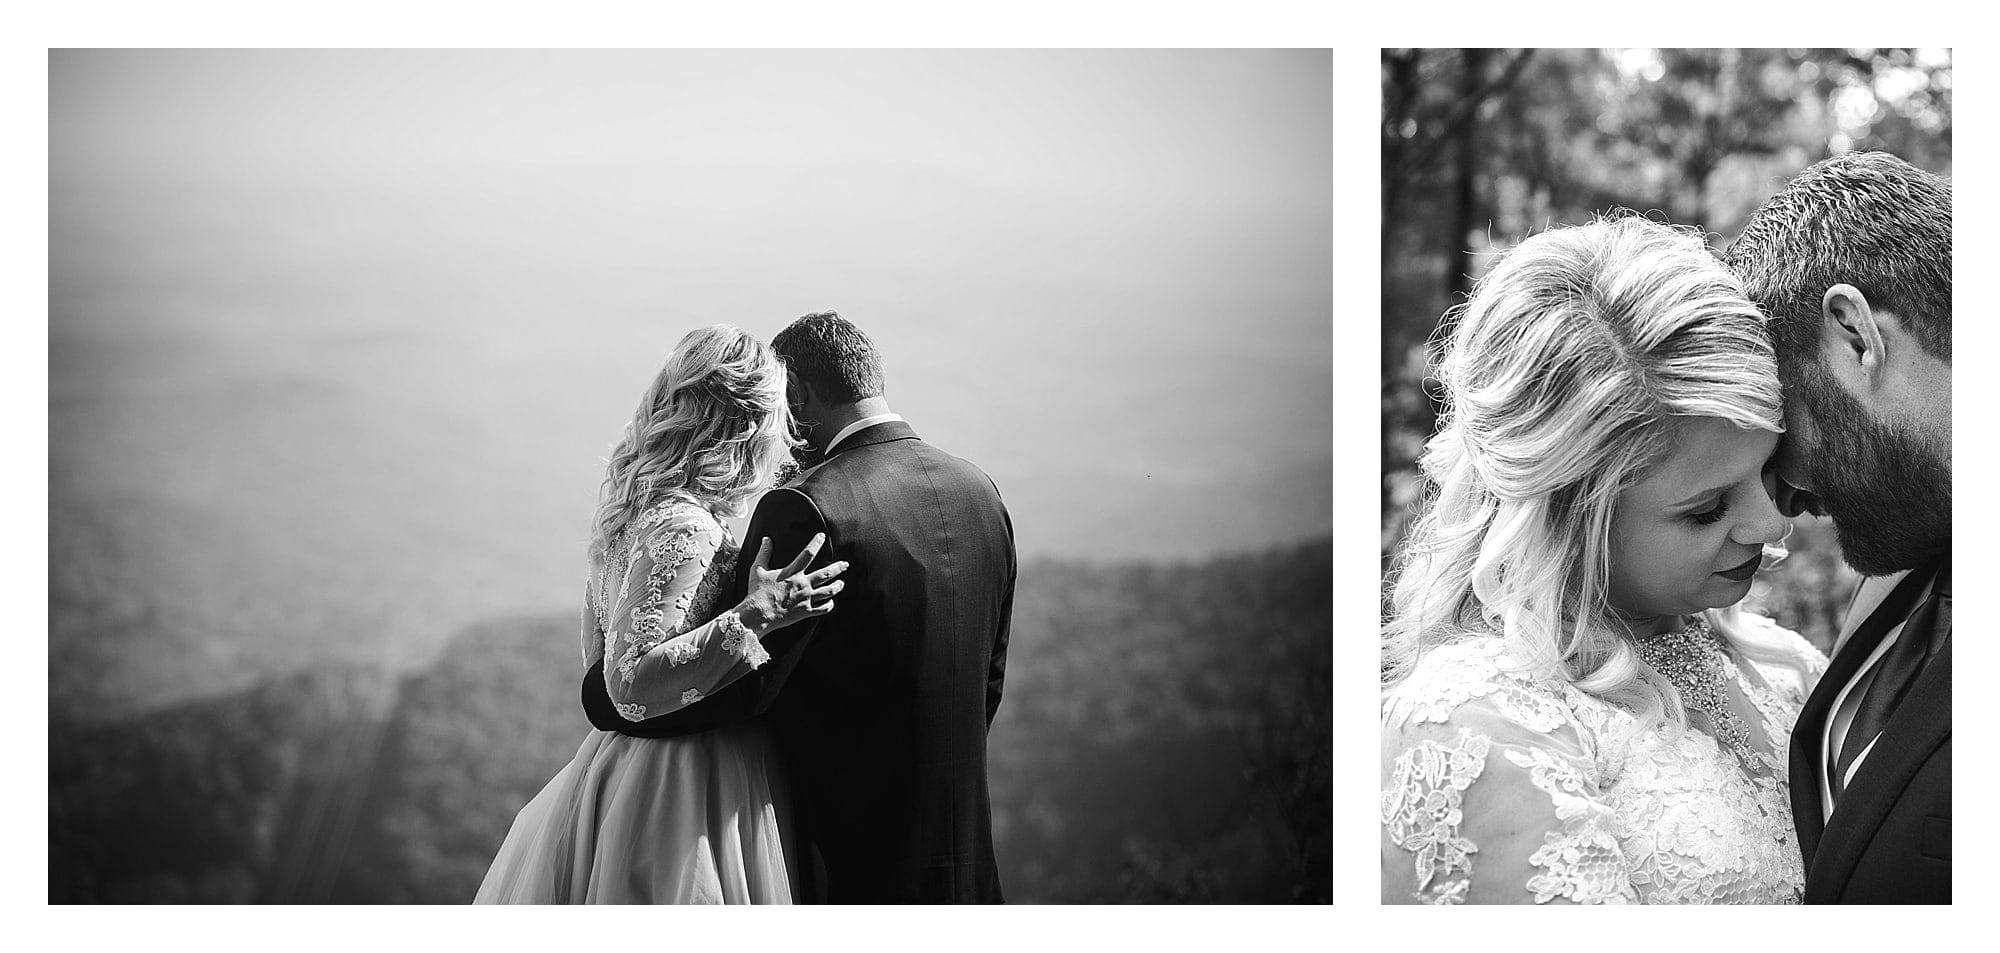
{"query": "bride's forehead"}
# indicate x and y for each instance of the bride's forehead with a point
(1707, 449)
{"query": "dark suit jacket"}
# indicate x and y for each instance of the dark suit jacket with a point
(1889, 839)
(880, 707)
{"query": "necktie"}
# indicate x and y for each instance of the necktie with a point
(1925, 627)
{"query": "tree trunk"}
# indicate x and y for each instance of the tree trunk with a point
(1465, 190)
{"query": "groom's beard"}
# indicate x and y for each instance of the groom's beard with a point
(1888, 492)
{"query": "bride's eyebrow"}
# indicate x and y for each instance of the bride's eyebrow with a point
(1701, 495)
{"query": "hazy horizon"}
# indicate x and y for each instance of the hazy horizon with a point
(338, 339)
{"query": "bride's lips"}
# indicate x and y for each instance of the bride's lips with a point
(1744, 571)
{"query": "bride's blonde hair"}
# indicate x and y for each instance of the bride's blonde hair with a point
(1562, 379)
(714, 428)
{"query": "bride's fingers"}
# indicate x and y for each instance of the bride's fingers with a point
(764, 554)
(823, 576)
(805, 556)
(804, 597)
(824, 592)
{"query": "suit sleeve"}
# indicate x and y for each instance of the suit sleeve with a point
(996, 669)
(790, 519)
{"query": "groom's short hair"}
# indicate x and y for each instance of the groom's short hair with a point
(832, 355)
(1867, 219)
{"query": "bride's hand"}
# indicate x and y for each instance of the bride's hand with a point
(779, 597)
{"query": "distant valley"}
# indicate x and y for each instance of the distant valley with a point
(1151, 746)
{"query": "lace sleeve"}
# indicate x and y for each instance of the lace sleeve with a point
(652, 665)
(1490, 794)
(593, 638)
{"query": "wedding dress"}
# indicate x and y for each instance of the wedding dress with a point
(1503, 788)
(675, 820)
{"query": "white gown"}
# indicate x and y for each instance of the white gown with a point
(693, 819)
(1500, 788)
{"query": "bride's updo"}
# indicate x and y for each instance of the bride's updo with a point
(1562, 378)
(713, 428)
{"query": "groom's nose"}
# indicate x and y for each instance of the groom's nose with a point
(1792, 501)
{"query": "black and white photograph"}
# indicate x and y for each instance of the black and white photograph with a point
(689, 476)
(1666, 477)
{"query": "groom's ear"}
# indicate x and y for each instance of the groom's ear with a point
(797, 393)
(1851, 337)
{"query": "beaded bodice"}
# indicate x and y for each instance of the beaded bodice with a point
(1695, 663)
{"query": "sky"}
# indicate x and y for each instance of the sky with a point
(375, 317)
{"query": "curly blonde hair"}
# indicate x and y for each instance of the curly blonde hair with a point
(714, 428)
(1562, 379)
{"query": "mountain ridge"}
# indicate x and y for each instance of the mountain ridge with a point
(1141, 752)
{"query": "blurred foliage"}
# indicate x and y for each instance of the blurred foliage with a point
(469, 742)
(1808, 592)
(1481, 148)
(1165, 736)
(204, 802)
(1166, 732)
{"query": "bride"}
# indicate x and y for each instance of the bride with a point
(1574, 708)
(693, 819)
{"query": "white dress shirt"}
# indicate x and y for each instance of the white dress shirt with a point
(844, 433)
(1841, 716)
(1834, 732)
(856, 427)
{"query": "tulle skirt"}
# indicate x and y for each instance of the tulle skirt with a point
(645, 820)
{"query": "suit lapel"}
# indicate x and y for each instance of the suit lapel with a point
(1808, 762)
(1919, 726)
(1805, 774)
(1808, 776)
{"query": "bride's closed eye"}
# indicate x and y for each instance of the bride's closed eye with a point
(1712, 514)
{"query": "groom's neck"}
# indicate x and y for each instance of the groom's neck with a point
(835, 418)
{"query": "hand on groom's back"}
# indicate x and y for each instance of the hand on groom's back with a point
(790, 520)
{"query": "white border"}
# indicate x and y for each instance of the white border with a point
(1357, 469)
(1355, 36)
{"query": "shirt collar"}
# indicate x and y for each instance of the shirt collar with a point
(858, 426)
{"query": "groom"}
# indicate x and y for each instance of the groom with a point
(880, 708)
(1852, 261)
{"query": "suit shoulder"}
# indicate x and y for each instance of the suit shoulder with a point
(787, 504)
(910, 462)
(959, 466)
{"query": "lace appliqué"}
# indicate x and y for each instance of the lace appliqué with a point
(670, 552)
(1657, 817)
(609, 583)
(1468, 671)
(1582, 862)
(654, 616)
(738, 640)
(1423, 807)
